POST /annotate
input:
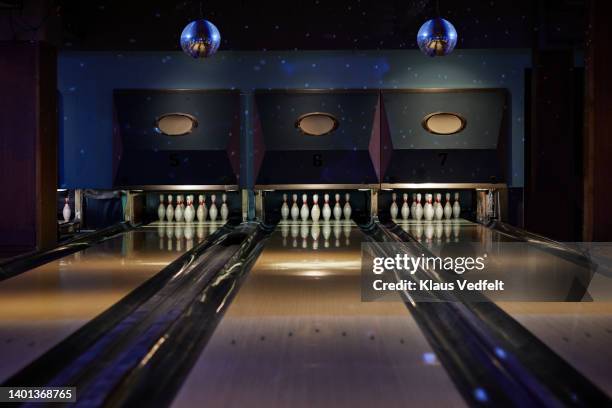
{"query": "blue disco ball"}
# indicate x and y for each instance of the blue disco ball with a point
(200, 39)
(437, 37)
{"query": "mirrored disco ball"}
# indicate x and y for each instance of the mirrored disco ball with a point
(437, 37)
(200, 39)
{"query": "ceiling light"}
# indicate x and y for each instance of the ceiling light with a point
(443, 123)
(317, 123)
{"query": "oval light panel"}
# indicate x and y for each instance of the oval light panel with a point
(175, 124)
(317, 123)
(444, 123)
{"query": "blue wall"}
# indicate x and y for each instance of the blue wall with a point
(87, 79)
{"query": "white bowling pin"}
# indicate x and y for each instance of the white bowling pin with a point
(66, 211)
(213, 212)
(285, 208)
(337, 208)
(405, 208)
(201, 214)
(315, 212)
(428, 210)
(413, 205)
(224, 207)
(347, 207)
(418, 209)
(326, 208)
(438, 210)
(161, 210)
(393, 210)
(456, 206)
(189, 211)
(304, 211)
(178, 211)
(295, 211)
(448, 209)
(170, 209)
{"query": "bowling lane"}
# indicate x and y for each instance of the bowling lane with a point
(579, 330)
(297, 334)
(42, 306)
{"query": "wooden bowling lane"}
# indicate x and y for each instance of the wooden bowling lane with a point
(579, 331)
(42, 306)
(297, 334)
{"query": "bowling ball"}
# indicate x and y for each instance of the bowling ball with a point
(200, 39)
(437, 37)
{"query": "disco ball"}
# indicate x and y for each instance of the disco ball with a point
(437, 37)
(200, 39)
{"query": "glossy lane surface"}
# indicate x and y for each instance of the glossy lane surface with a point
(565, 305)
(44, 305)
(297, 334)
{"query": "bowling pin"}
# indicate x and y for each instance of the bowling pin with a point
(326, 208)
(213, 212)
(201, 214)
(438, 210)
(428, 210)
(224, 207)
(456, 206)
(413, 205)
(337, 208)
(393, 211)
(178, 211)
(304, 211)
(448, 209)
(418, 209)
(315, 212)
(405, 208)
(285, 208)
(189, 211)
(161, 210)
(295, 211)
(170, 209)
(347, 207)
(66, 212)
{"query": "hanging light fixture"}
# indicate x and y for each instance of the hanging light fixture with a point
(200, 38)
(437, 37)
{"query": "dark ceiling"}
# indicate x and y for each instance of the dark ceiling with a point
(317, 24)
